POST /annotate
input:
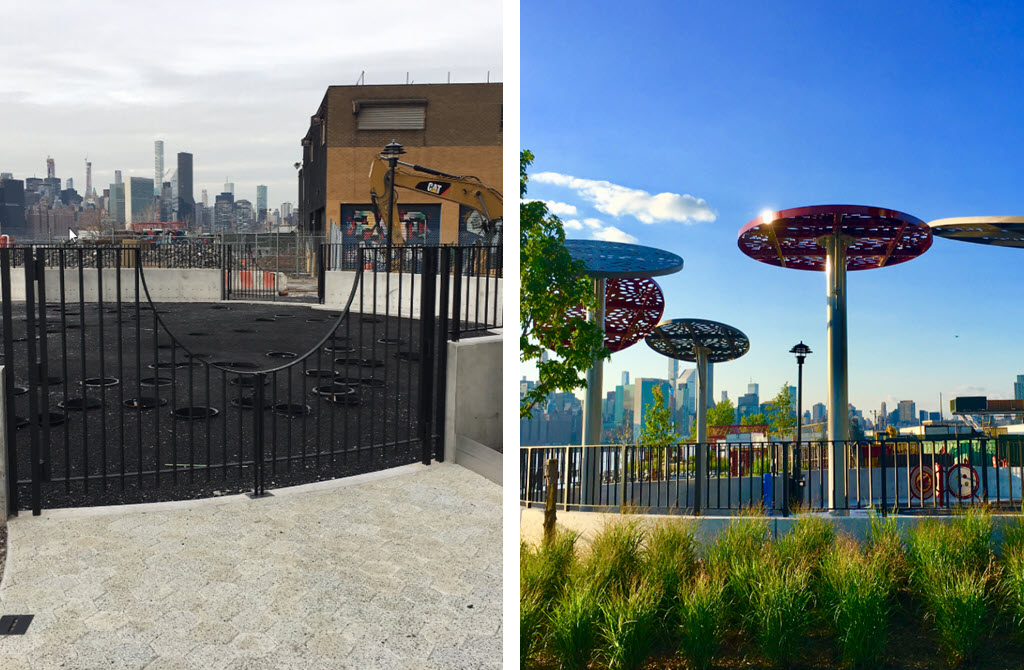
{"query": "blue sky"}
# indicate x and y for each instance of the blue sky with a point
(751, 106)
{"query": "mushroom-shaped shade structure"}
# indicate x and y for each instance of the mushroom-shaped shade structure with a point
(681, 339)
(605, 261)
(997, 231)
(632, 307)
(617, 260)
(875, 237)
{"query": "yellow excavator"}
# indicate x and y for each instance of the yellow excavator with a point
(463, 189)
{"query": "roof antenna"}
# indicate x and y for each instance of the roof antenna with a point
(362, 76)
(449, 77)
(406, 77)
(488, 76)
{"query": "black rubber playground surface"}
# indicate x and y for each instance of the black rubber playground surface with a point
(137, 410)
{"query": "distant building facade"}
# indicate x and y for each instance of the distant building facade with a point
(455, 128)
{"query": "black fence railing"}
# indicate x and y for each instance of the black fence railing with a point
(902, 475)
(474, 278)
(111, 398)
(179, 254)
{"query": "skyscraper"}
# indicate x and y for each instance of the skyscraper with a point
(51, 169)
(223, 213)
(229, 186)
(186, 203)
(158, 166)
(138, 200)
(206, 199)
(88, 180)
(1018, 388)
(117, 206)
(261, 204)
(117, 176)
(908, 412)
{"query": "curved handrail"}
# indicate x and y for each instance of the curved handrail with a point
(330, 333)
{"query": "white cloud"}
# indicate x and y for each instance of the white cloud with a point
(599, 231)
(613, 234)
(619, 200)
(555, 207)
(560, 208)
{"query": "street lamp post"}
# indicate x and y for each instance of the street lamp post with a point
(801, 350)
(391, 152)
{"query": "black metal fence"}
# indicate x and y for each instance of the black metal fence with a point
(111, 398)
(900, 475)
(180, 253)
(473, 273)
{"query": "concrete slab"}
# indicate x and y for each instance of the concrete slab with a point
(399, 569)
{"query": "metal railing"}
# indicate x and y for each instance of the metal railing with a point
(474, 286)
(109, 399)
(180, 254)
(892, 475)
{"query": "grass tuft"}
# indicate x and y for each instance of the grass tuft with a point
(573, 633)
(780, 611)
(670, 558)
(546, 568)
(857, 599)
(615, 559)
(629, 626)
(702, 614)
(531, 619)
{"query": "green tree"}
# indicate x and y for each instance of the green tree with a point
(754, 419)
(658, 429)
(781, 413)
(722, 414)
(551, 284)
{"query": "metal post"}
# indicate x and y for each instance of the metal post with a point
(700, 472)
(838, 384)
(551, 480)
(591, 458)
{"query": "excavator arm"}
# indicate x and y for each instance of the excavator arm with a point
(464, 190)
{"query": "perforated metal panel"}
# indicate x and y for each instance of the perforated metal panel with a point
(878, 237)
(632, 307)
(679, 338)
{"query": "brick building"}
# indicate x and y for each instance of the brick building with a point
(455, 128)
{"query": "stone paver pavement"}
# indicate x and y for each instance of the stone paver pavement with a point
(394, 570)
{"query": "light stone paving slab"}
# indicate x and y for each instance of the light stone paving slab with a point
(399, 569)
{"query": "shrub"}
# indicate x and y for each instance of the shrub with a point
(780, 611)
(857, 601)
(573, 627)
(701, 612)
(628, 627)
(615, 558)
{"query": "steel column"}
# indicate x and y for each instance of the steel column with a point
(838, 382)
(591, 464)
(700, 472)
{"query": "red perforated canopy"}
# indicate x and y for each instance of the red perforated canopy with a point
(632, 307)
(878, 237)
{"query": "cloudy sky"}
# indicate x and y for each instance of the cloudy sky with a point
(234, 83)
(675, 126)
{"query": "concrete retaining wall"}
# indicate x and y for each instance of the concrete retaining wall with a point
(707, 528)
(477, 300)
(472, 426)
(165, 285)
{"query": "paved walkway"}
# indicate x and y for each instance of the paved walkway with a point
(400, 569)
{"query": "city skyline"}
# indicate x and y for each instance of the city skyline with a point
(110, 79)
(699, 141)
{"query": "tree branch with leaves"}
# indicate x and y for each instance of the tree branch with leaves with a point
(551, 284)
